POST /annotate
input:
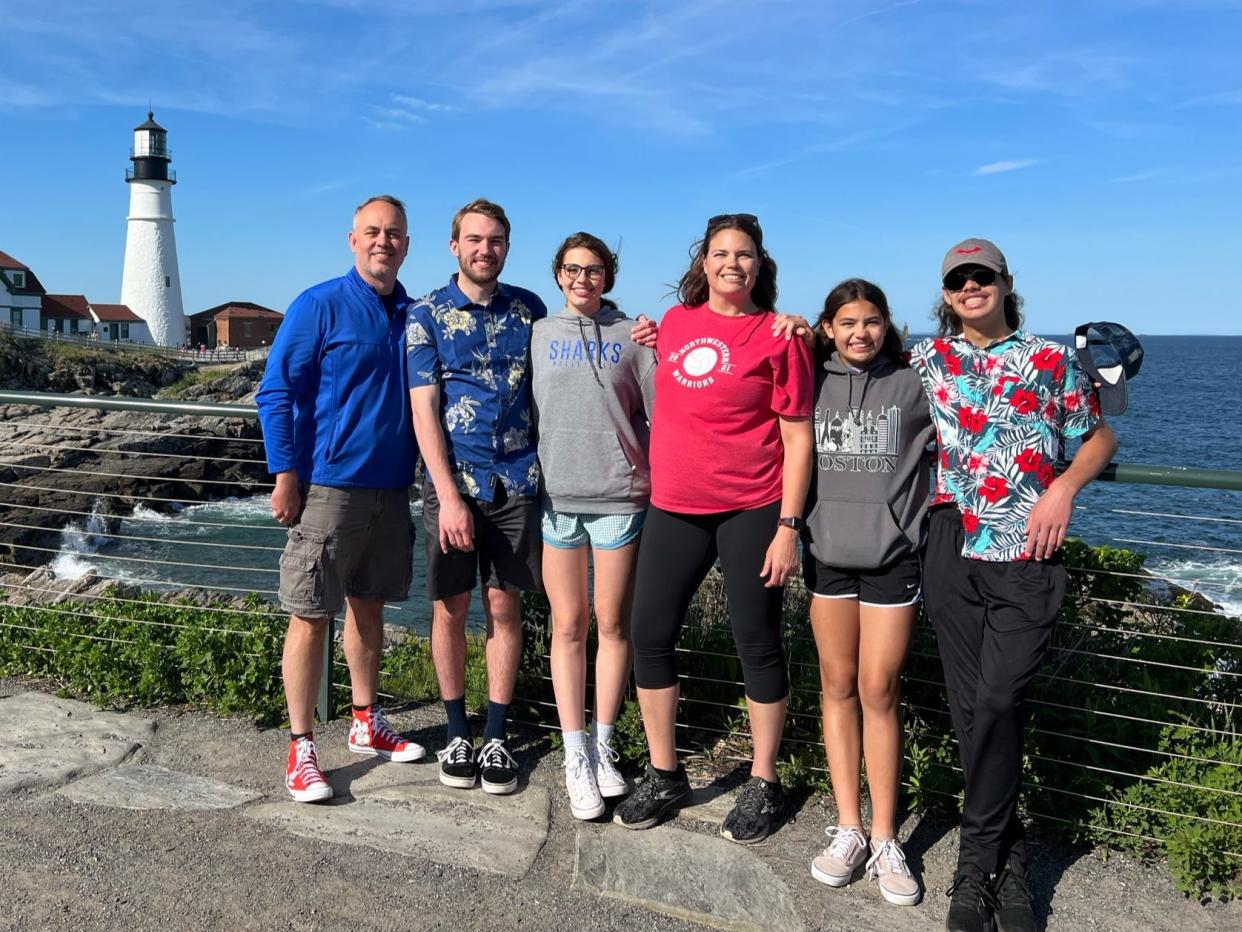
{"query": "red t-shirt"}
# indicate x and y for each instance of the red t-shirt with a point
(720, 384)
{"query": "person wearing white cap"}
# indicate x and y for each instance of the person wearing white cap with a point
(1004, 402)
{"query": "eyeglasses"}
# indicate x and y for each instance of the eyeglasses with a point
(726, 219)
(956, 279)
(592, 271)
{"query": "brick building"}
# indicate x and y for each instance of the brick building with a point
(236, 324)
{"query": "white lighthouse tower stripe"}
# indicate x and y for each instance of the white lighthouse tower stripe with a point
(151, 282)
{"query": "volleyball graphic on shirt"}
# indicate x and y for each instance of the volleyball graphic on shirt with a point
(698, 362)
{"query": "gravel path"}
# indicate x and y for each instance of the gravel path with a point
(83, 866)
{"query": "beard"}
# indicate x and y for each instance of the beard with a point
(480, 277)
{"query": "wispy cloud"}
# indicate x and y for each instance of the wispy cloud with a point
(1229, 98)
(1009, 165)
(1138, 176)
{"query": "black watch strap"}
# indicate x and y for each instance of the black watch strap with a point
(796, 523)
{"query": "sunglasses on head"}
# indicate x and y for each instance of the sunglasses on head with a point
(726, 219)
(981, 275)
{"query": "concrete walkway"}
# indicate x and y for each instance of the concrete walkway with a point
(166, 820)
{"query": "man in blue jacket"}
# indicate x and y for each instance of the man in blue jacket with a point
(336, 425)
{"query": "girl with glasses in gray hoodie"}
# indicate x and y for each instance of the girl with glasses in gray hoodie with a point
(593, 394)
(866, 524)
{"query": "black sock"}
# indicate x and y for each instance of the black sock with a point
(363, 708)
(298, 735)
(497, 716)
(670, 774)
(458, 725)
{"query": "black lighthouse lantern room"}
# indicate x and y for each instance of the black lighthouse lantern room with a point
(150, 153)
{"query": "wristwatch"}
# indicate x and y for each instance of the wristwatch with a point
(796, 523)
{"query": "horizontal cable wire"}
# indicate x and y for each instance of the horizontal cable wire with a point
(157, 540)
(103, 451)
(148, 560)
(121, 601)
(55, 610)
(118, 475)
(1165, 514)
(135, 433)
(1131, 632)
(121, 495)
(155, 519)
(1160, 543)
(174, 583)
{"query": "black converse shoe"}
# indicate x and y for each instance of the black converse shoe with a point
(655, 797)
(971, 903)
(758, 806)
(1014, 912)
(457, 766)
(497, 768)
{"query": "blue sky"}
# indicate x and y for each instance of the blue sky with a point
(1098, 142)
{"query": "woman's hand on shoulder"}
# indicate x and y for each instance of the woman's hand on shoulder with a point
(645, 332)
(792, 325)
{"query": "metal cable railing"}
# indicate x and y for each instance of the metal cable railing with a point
(1133, 711)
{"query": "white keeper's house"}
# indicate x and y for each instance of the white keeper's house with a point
(21, 294)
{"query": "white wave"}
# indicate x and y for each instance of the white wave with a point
(1218, 580)
(79, 540)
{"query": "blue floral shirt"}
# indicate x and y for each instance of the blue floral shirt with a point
(1003, 413)
(480, 357)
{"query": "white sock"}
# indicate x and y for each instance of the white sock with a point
(603, 733)
(574, 740)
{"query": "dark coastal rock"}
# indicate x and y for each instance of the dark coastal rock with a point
(56, 463)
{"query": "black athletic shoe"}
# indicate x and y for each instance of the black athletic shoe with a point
(457, 767)
(971, 903)
(653, 799)
(758, 806)
(1014, 912)
(497, 768)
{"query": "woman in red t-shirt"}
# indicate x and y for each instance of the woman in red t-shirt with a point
(730, 465)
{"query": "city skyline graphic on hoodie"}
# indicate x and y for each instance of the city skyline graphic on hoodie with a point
(847, 440)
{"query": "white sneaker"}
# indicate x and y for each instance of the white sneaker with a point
(837, 863)
(608, 778)
(584, 798)
(888, 867)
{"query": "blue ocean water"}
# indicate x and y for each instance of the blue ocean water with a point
(1183, 412)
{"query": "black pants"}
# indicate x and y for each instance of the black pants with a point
(993, 622)
(676, 553)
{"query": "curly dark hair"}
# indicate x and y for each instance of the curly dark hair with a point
(846, 292)
(692, 290)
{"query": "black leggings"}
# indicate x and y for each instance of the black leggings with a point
(676, 553)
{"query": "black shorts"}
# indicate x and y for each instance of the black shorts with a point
(508, 546)
(892, 586)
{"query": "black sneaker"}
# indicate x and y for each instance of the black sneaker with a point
(758, 806)
(497, 768)
(457, 764)
(654, 798)
(971, 903)
(1014, 912)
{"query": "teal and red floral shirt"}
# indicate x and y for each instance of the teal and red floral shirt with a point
(1003, 413)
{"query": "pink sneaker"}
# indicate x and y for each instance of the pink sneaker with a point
(371, 734)
(303, 778)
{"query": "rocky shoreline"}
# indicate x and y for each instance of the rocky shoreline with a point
(57, 463)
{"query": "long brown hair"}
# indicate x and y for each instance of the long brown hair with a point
(846, 292)
(692, 290)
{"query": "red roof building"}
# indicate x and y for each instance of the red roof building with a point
(236, 324)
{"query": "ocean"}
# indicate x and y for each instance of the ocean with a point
(1184, 411)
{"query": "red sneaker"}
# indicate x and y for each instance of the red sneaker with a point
(371, 734)
(303, 778)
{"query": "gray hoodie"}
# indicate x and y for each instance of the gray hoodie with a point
(593, 389)
(872, 472)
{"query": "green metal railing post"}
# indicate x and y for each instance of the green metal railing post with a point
(323, 705)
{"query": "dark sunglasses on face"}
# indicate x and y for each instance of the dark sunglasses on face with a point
(956, 280)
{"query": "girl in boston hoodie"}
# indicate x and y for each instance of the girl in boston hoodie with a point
(866, 522)
(592, 389)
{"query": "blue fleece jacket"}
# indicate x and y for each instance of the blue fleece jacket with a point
(333, 401)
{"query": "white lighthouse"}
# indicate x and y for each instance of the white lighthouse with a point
(151, 283)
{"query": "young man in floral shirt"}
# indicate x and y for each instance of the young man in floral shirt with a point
(468, 371)
(1004, 402)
